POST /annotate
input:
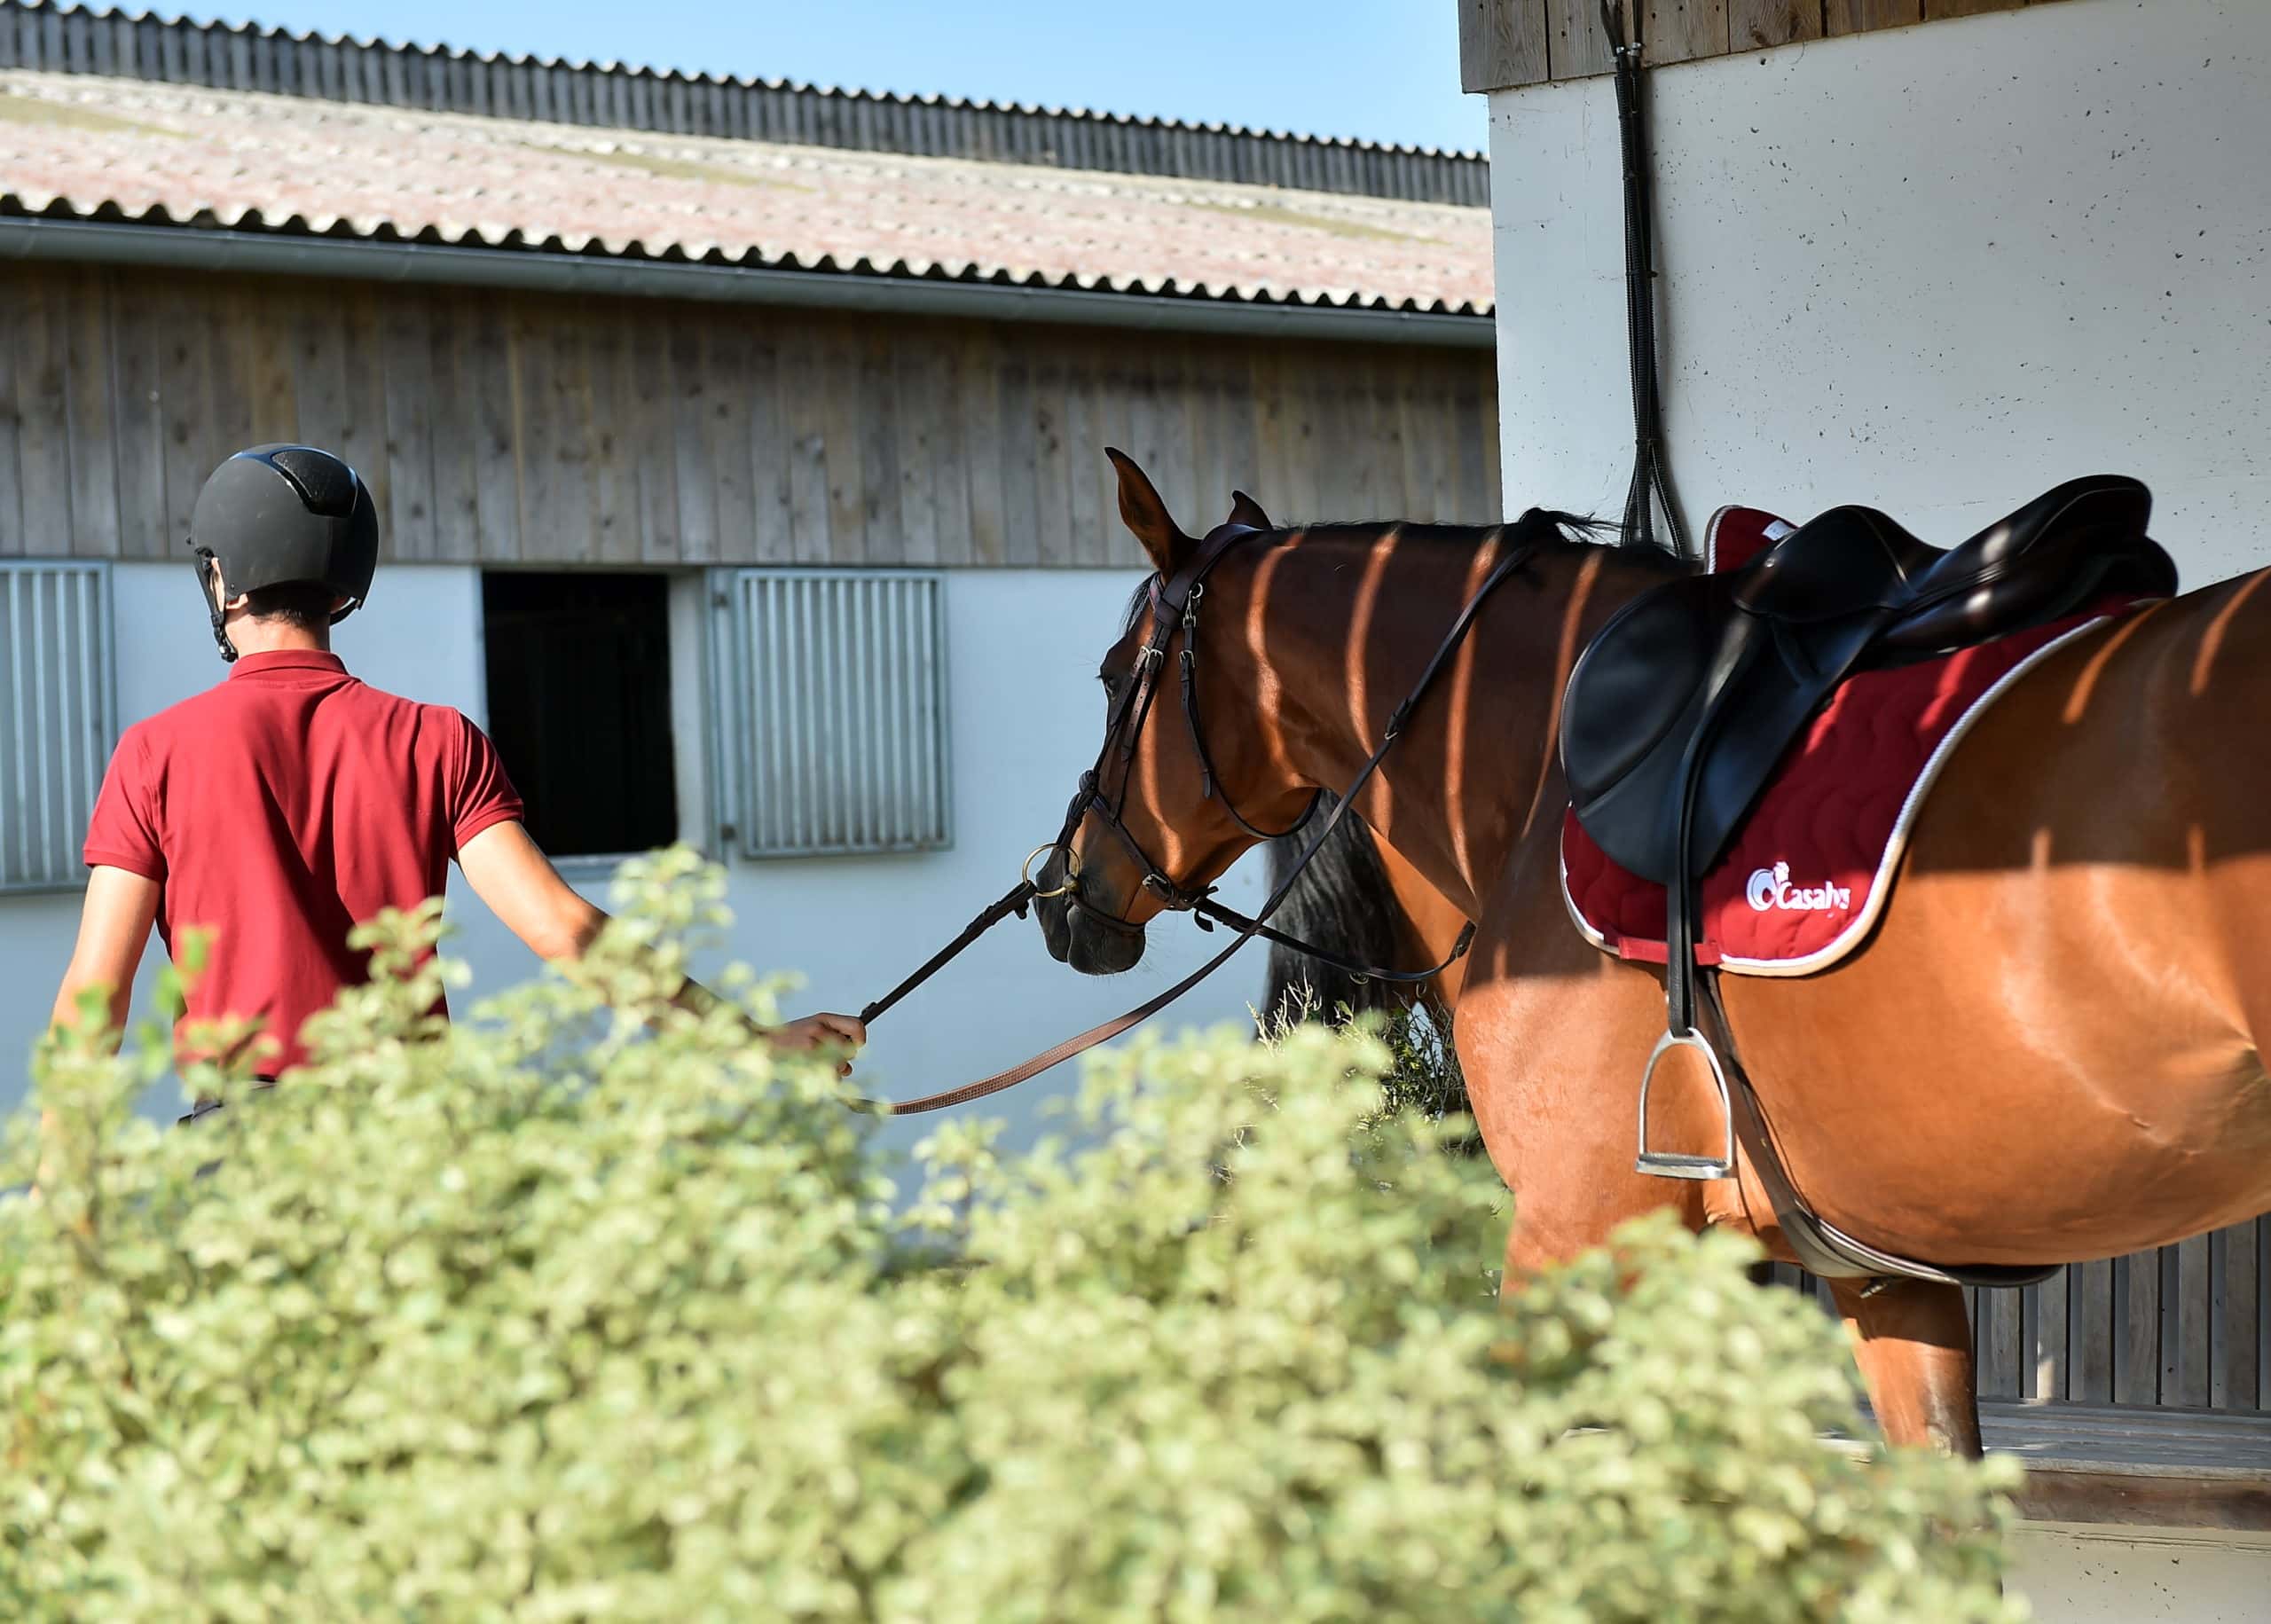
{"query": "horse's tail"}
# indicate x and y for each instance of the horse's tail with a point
(1342, 901)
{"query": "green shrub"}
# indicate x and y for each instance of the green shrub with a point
(598, 1311)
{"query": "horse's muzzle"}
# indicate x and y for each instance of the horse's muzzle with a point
(1093, 943)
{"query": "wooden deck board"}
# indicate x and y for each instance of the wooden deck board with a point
(2158, 1467)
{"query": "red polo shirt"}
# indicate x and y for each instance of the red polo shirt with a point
(283, 807)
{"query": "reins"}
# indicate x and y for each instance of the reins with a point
(1175, 608)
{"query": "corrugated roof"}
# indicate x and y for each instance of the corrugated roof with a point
(51, 38)
(165, 154)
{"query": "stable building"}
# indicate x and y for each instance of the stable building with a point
(738, 446)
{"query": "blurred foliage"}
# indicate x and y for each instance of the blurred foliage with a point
(592, 1308)
(1423, 1073)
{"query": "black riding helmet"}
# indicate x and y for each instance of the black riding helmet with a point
(276, 514)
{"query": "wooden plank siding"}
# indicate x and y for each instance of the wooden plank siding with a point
(1507, 43)
(505, 428)
(2187, 1327)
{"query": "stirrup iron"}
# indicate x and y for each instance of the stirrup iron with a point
(1679, 1164)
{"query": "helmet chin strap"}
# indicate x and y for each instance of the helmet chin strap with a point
(213, 590)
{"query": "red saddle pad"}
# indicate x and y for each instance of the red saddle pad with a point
(1805, 878)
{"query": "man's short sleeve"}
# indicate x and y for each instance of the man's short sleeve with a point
(484, 794)
(122, 833)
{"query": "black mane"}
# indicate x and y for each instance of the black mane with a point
(1546, 530)
(1343, 901)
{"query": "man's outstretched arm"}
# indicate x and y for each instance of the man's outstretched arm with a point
(509, 871)
(114, 929)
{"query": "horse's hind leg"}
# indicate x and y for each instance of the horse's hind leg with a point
(1913, 1340)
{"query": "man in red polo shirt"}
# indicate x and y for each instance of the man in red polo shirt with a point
(290, 803)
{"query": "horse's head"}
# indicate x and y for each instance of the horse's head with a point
(1186, 778)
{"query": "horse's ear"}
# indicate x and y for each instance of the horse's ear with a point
(1245, 510)
(1147, 517)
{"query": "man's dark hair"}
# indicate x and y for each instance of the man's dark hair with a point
(304, 604)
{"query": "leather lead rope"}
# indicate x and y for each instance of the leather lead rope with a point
(1118, 1025)
(1649, 474)
(1018, 898)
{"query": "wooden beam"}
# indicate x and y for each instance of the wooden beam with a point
(1934, 10)
(2237, 1333)
(2137, 1330)
(182, 378)
(136, 346)
(1500, 44)
(1753, 25)
(1683, 30)
(1574, 43)
(90, 397)
(1473, 26)
(451, 422)
(1860, 16)
(1504, 43)
(412, 517)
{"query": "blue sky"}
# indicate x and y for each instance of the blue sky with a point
(1387, 70)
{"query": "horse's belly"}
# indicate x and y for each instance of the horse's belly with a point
(2025, 1066)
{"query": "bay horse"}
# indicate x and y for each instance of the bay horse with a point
(2048, 1051)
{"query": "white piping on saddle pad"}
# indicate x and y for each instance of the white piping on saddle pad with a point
(1774, 530)
(1895, 845)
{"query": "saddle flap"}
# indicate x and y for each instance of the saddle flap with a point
(1732, 725)
(1683, 675)
(1638, 680)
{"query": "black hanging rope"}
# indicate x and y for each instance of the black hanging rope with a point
(1648, 477)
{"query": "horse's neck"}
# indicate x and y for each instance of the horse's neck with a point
(1477, 767)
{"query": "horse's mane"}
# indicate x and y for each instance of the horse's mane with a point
(1544, 528)
(1343, 900)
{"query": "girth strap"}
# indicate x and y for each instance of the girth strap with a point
(1823, 1249)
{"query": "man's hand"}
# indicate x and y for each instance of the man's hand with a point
(818, 1031)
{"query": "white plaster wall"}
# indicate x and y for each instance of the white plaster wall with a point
(2084, 1573)
(1936, 269)
(1026, 715)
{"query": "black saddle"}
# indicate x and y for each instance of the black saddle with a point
(1682, 705)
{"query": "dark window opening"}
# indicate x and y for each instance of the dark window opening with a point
(579, 707)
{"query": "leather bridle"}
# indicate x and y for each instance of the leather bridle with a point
(1175, 604)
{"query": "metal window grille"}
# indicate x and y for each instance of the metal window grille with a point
(829, 711)
(58, 718)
